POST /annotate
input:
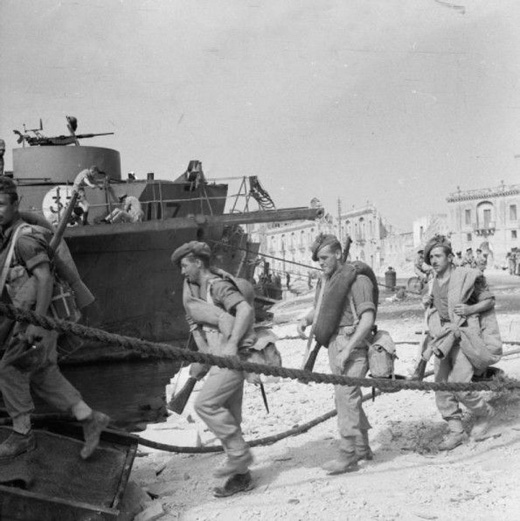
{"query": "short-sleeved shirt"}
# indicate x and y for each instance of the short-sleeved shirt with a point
(31, 249)
(226, 296)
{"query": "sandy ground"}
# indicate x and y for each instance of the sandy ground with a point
(407, 480)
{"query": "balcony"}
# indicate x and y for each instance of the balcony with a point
(484, 229)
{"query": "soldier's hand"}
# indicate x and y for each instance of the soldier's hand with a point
(462, 310)
(427, 300)
(343, 357)
(198, 371)
(34, 333)
(301, 326)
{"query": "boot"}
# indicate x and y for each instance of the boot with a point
(235, 465)
(455, 437)
(346, 462)
(483, 424)
(16, 445)
(363, 450)
(93, 426)
(236, 483)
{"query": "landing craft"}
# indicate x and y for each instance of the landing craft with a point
(127, 265)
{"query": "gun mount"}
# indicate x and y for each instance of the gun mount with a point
(34, 136)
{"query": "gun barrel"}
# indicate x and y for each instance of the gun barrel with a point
(85, 136)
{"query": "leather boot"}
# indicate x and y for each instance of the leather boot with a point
(238, 457)
(16, 445)
(363, 450)
(483, 424)
(346, 462)
(93, 426)
(236, 483)
(455, 437)
(235, 464)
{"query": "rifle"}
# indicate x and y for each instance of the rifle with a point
(424, 352)
(179, 400)
(311, 355)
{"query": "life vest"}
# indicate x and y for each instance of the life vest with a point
(335, 299)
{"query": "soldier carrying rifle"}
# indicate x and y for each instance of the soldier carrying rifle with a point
(342, 321)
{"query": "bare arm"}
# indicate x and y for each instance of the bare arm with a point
(44, 285)
(304, 322)
(464, 310)
(243, 317)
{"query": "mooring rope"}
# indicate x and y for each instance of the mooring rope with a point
(161, 350)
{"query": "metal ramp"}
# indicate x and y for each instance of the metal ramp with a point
(53, 483)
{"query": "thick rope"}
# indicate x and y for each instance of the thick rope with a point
(160, 350)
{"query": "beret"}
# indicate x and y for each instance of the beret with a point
(434, 242)
(199, 249)
(322, 240)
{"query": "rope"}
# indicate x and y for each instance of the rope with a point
(266, 440)
(160, 350)
(380, 284)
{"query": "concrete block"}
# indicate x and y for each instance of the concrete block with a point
(153, 512)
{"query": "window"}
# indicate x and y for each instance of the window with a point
(513, 234)
(468, 237)
(512, 212)
(467, 217)
(487, 218)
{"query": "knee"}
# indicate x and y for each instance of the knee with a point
(202, 406)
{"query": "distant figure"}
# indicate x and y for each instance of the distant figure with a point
(130, 212)
(80, 215)
(288, 280)
(2, 152)
(421, 269)
(457, 260)
(468, 260)
(511, 262)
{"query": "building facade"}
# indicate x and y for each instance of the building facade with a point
(367, 230)
(488, 219)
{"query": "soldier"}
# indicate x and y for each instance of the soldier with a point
(457, 260)
(25, 253)
(130, 211)
(2, 152)
(219, 403)
(422, 270)
(464, 337)
(348, 353)
(468, 260)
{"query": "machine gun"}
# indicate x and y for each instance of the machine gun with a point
(40, 139)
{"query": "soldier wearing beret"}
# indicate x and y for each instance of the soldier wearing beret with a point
(28, 284)
(347, 350)
(463, 331)
(219, 403)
